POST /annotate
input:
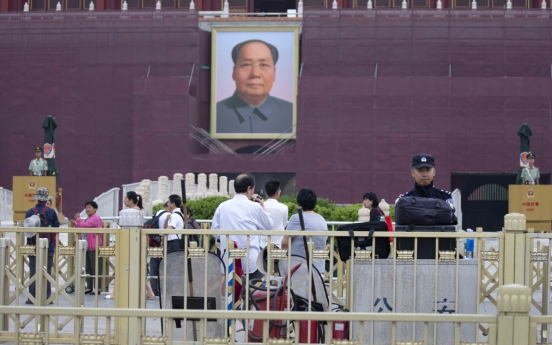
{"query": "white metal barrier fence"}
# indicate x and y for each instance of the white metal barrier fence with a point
(108, 204)
(6, 204)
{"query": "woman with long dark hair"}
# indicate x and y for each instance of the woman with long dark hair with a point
(371, 202)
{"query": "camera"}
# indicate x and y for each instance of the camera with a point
(260, 195)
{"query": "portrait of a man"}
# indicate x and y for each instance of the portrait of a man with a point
(250, 109)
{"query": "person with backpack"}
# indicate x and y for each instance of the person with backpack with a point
(134, 201)
(423, 172)
(95, 240)
(48, 219)
(174, 221)
(156, 222)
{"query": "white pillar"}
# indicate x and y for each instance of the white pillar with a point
(509, 5)
(543, 5)
(223, 186)
(334, 5)
(192, 7)
(26, 7)
(125, 6)
(300, 8)
(177, 186)
(369, 5)
(439, 5)
(58, 6)
(226, 9)
(213, 183)
(158, 5)
(474, 5)
(404, 5)
(91, 7)
(231, 190)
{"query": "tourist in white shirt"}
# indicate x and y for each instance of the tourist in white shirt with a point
(240, 213)
(278, 211)
(174, 221)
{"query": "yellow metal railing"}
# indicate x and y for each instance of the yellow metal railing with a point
(497, 261)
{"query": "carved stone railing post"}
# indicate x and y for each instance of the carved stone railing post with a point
(363, 214)
(513, 305)
(513, 254)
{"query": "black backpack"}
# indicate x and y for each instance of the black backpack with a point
(154, 240)
(413, 210)
(43, 224)
(382, 247)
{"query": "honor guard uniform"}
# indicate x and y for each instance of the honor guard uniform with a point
(530, 174)
(38, 166)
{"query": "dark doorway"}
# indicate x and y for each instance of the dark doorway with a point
(272, 6)
(485, 197)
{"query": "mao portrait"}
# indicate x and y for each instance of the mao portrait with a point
(254, 96)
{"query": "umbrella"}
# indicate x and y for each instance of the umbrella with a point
(50, 126)
(524, 133)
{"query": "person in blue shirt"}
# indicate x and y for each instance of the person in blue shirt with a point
(51, 220)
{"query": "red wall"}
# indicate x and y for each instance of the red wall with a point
(86, 71)
(356, 132)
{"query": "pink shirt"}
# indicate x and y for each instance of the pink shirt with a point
(94, 221)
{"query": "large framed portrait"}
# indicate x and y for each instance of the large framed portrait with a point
(254, 74)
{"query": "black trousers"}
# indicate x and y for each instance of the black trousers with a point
(91, 269)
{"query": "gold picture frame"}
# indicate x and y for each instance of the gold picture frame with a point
(236, 91)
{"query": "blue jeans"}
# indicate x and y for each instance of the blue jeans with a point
(32, 268)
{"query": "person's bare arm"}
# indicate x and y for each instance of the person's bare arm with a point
(167, 223)
(284, 243)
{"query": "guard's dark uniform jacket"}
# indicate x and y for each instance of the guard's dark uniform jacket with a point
(431, 192)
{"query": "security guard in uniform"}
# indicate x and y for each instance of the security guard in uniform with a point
(423, 171)
(38, 166)
(530, 174)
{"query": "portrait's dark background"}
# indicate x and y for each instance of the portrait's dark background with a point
(122, 90)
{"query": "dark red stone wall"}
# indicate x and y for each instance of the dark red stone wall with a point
(124, 88)
(359, 131)
(89, 71)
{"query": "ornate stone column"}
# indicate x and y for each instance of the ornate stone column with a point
(231, 190)
(223, 186)
(177, 187)
(162, 188)
(384, 206)
(363, 214)
(213, 183)
(201, 186)
(190, 186)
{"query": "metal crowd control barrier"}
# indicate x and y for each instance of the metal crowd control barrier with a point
(108, 204)
(6, 207)
(399, 300)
